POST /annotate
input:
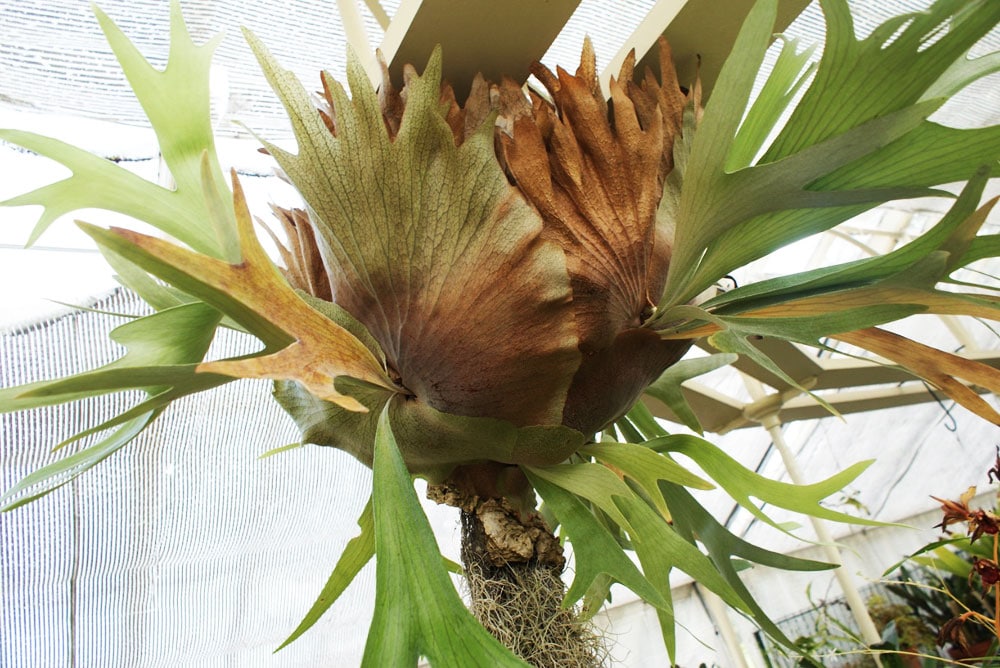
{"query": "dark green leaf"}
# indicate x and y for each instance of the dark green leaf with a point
(417, 610)
(643, 419)
(595, 550)
(667, 388)
(728, 551)
(657, 545)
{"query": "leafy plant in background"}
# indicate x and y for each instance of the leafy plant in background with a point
(952, 584)
(908, 638)
(943, 602)
(831, 639)
(478, 294)
(934, 600)
(825, 636)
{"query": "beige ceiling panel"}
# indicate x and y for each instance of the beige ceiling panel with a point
(694, 28)
(506, 37)
(489, 36)
(854, 378)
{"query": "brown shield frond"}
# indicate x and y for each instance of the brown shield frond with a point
(595, 172)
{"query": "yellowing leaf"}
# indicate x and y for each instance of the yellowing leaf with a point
(937, 367)
(301, 344)
(932, 301)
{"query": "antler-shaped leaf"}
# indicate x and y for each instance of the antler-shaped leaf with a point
(858, 138)
(742, 483)
(162, 351)
(667, 388)
(176, 101)
(358, 552)
(646, 467)
(300, 343)
(596, 553)
(692, 521)
(657, 545)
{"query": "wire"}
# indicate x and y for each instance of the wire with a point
(953, 426)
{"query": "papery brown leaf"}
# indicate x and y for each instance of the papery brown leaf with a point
(454, 115)
(627, 70)
(935, 302)
(937, 367)
(609, 381)
(587, 73)
(596, 176)
(596, 187)
(389, 99)
(303, 264)
(509, 100)
(478, 105)
(662, 101)
(463, 120)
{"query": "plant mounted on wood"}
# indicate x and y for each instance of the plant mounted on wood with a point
(478, 294)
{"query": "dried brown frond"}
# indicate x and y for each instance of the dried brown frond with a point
(303, 263)
(595, 171)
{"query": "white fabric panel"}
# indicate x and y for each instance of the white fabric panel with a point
(183, 548)
(54, 58)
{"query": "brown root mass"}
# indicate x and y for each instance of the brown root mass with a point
(512, 570)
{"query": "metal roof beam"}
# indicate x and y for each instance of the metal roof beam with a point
(841, 373)
(720, 414)
(829, 373)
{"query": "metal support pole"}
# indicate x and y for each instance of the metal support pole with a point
(857, 605)
(716, 609)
